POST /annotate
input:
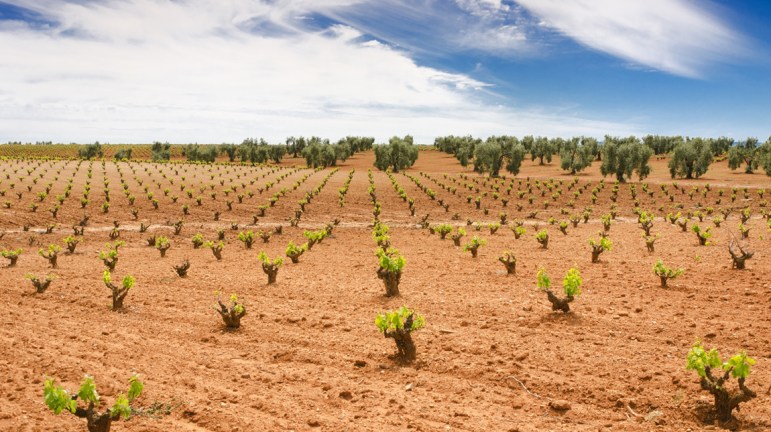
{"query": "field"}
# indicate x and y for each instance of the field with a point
(492, 357)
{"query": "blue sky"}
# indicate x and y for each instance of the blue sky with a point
(127, 71)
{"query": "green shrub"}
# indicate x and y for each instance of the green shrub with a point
(702, 235)
(705, 362)
(110, 256)
(162, 244)
(599, 246)
(666, 273)
(493, 227)
(11, 255)
(542, 237)
(270, 267)
(518, 231)
(459, 233)
(645, 219)
(119, 293)
(71, 243)
(607, 220)
(197, 240)
(571, 285)
(216, 248)
(509, 261)
(51, 254)
(474, 245)
(443, 230)
(57, 399)
(247, 237)
(650, 242)
(744, 230)
(293, 252)
(40, 284)
(391, 263)
(399, 325)
(231, 314)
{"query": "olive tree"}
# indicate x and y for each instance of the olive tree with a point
(765, 159)
(295, 146)
(746, 152)
(91, 151)
(625, 156)
(491, 155)
(691, 158)
(462, 147)
(229, 149)
(398, 154)
(720, 145)
(161, 151)
(661, 144)
(542, 149)
(577, 153)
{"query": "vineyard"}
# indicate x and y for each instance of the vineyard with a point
(280, 297)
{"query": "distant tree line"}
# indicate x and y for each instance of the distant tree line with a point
(621, 157)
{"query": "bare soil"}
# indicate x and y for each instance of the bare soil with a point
(492, 357)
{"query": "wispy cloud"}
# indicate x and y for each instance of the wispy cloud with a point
(222, 70)
(677, 36)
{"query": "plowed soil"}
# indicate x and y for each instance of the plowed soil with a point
(492, 357)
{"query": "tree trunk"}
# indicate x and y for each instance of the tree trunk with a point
(95, 422)
(596, 255)
(391, 281)
(558, 304)
(404, 344)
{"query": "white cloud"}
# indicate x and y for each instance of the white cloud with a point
(198, 71)
(676, 36)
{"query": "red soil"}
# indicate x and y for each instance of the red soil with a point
(308, 356)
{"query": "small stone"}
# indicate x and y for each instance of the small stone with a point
(360, 363)
(314, 423)
(345, 394)
(559, 405)
(408, 387)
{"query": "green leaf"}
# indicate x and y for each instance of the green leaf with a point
(572, 282)
(544, 282)
(739, 365)
(87, 391)
(121, 407)
(58, 399)
(698, 359)
(135, 388)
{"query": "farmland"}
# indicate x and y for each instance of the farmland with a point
(308, 356)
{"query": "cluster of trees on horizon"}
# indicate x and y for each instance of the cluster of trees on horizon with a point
(619, 156)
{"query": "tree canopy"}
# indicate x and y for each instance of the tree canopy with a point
(577, 153)
(495, 151)
(747, 153)
(624, 156)
(691, 158)
(398, 154)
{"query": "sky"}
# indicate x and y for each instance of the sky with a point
(212, 71)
